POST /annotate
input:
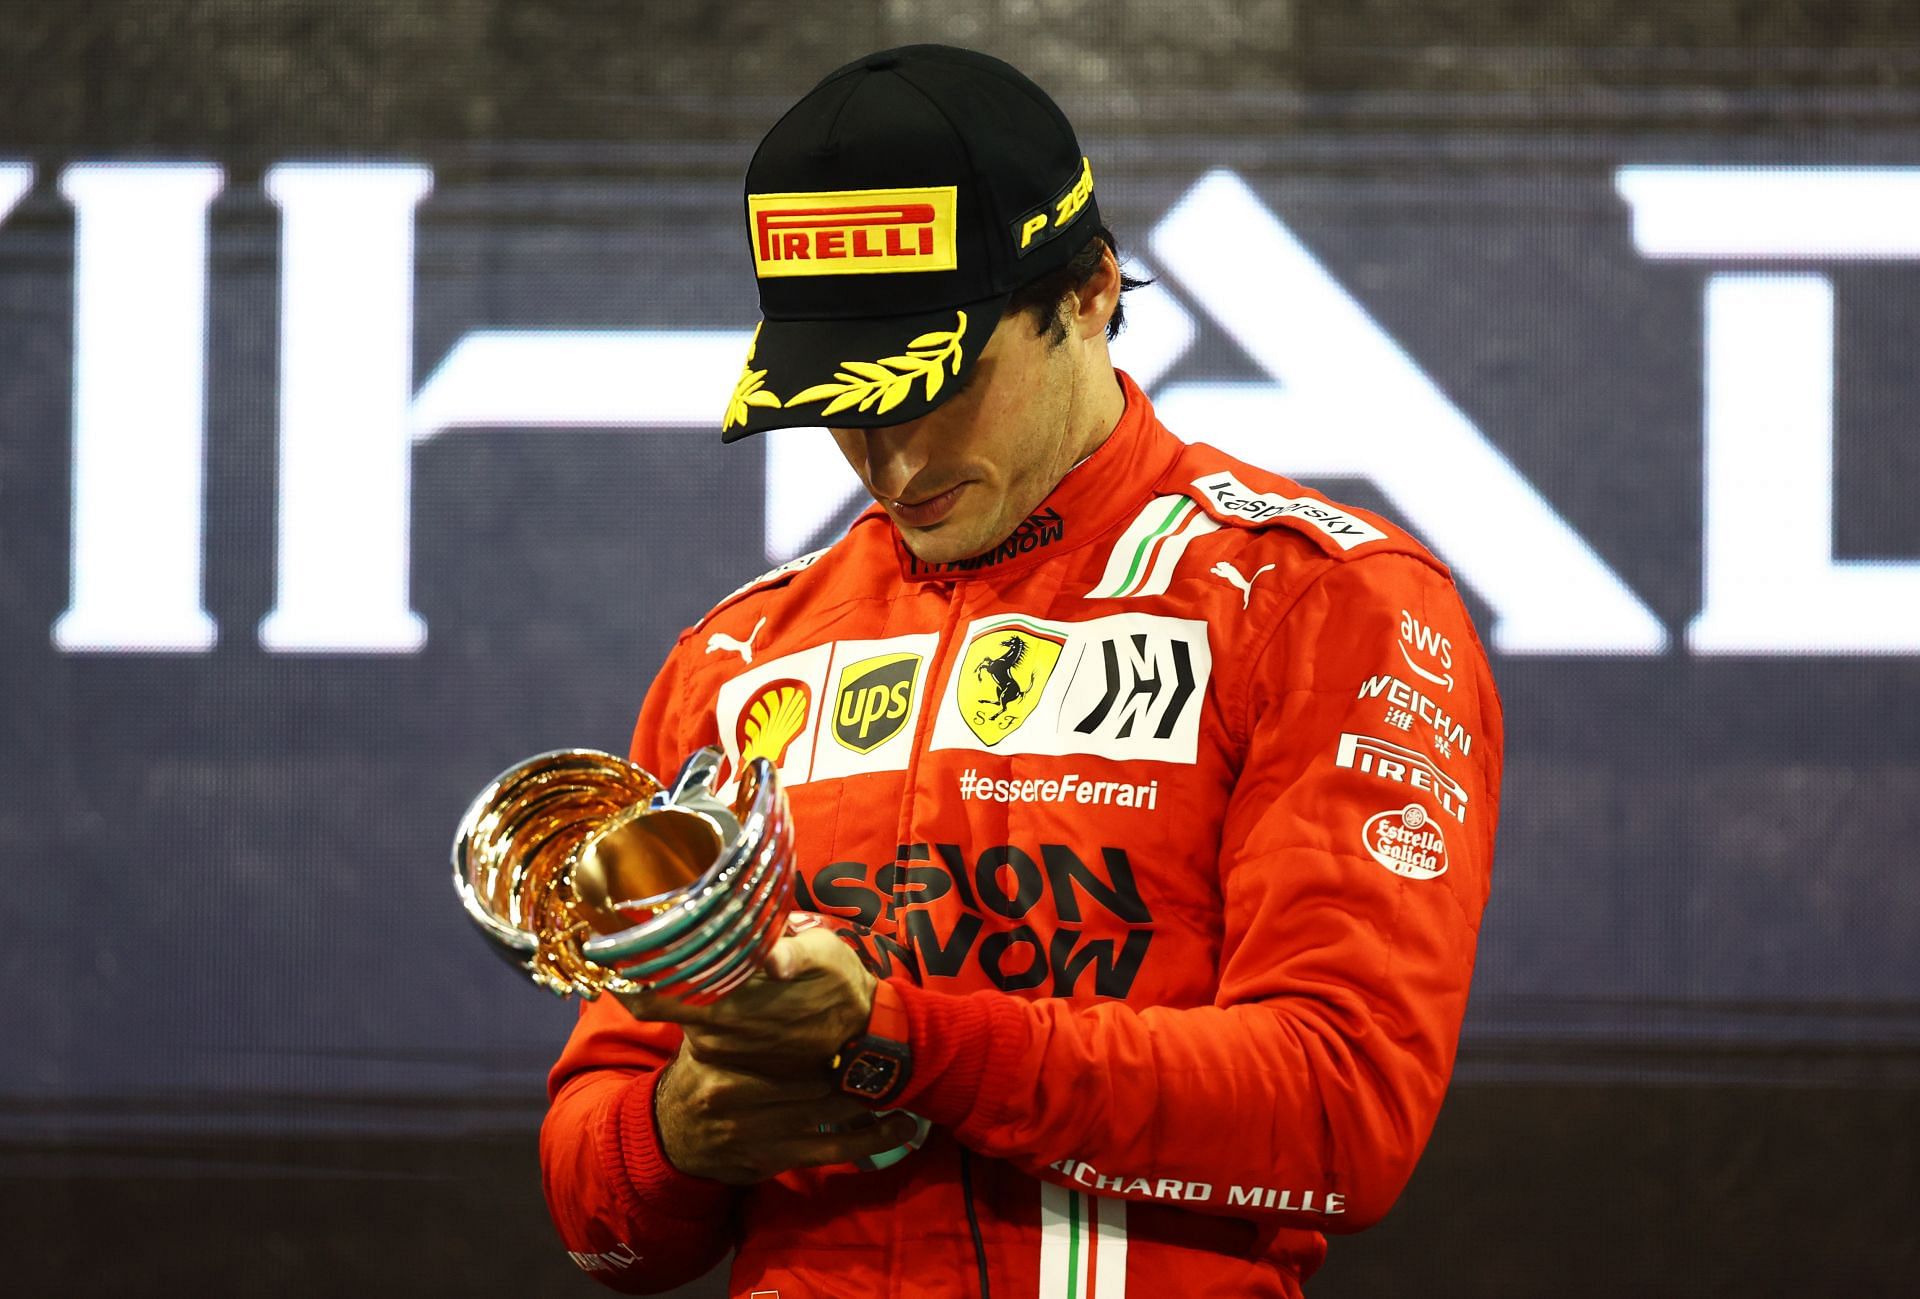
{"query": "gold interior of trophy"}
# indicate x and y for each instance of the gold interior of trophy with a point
(571, 848)
(631, 867)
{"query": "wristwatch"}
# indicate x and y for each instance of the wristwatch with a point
(874, 1066)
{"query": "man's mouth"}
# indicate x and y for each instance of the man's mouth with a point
(927, 511)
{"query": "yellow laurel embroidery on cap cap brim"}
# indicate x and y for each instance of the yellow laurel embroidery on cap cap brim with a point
(748, 391)
(881, 385)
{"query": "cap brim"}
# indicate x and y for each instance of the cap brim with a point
(857, 373)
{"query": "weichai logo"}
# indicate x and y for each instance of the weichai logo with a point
(854, 231)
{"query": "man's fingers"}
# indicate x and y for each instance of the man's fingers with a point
(858, 1142)
(663, 1010)
(722, 1088)
(797, 955)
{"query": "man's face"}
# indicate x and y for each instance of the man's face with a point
(960, 479)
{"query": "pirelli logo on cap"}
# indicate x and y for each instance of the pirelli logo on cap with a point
(854, 231)
(1056, 214)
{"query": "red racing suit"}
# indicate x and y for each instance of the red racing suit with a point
(1173, 817)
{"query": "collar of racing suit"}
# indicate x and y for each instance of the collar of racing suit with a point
(1098, 494)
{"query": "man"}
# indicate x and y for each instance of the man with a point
(1160, 790)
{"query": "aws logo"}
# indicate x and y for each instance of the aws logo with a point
(865, 694)
(874, 699)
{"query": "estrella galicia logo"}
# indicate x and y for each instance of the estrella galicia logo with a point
(874, 700)
(1006, 670)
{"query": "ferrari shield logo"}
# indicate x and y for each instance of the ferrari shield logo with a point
(1002, 675)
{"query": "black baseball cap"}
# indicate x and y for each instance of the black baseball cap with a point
(892, 213)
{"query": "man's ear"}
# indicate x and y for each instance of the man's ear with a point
(1098, 297)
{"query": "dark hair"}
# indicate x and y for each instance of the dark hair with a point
(1041, 298)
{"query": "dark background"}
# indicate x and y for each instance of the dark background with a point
(248, 1041)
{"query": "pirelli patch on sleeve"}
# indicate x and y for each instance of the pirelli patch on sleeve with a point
(1232, 501)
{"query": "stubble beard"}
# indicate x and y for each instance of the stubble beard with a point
(943, 545)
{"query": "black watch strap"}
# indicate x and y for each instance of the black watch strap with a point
(875, 1066)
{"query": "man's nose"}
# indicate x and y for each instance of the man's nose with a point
(895, 456)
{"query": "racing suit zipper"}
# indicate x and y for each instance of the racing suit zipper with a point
(973, 1219)
(946, 653)
(946, 657)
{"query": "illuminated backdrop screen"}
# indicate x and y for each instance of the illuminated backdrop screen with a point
(335, 488)
(342, 465)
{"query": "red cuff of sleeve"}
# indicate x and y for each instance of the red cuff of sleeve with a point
(966, 1052)
(638, 1165)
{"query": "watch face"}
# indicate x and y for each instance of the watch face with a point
(870, 1074)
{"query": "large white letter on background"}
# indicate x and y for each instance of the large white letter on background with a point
(346, 382)
(139, 405)
(1772, 585)
(1348, 400)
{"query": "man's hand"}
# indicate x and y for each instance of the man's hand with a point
(739, 1127)
(787, 1021)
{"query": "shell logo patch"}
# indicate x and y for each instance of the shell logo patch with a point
(771, 723)
(874, 699)
(836, 709)
(1003, 673)
(854, 231)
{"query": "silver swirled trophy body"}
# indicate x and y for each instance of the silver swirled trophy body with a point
(590, 875)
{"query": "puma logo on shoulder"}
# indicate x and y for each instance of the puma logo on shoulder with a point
(1234, 579)
(744, 648)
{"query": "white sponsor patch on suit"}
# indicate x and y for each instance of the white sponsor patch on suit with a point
(1143, 559)
(1129, 686)
(1233, 498)
(838, 709)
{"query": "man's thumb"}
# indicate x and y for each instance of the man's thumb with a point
(781, 961)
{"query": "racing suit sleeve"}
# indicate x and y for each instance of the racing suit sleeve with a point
(629, 1218)
(1353, 863)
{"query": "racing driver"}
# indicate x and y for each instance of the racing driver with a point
(1150, 795)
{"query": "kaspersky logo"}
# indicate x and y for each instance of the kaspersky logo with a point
(771, 723)
(853, 231)
(874, 700)
(1006, 668)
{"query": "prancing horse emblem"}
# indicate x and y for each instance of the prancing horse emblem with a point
(1000, 668)
(1008, 664)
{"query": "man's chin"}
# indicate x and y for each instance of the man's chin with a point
(946, 542)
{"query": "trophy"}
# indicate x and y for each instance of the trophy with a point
(590, 875)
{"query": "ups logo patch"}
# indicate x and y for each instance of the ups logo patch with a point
(874, 700)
